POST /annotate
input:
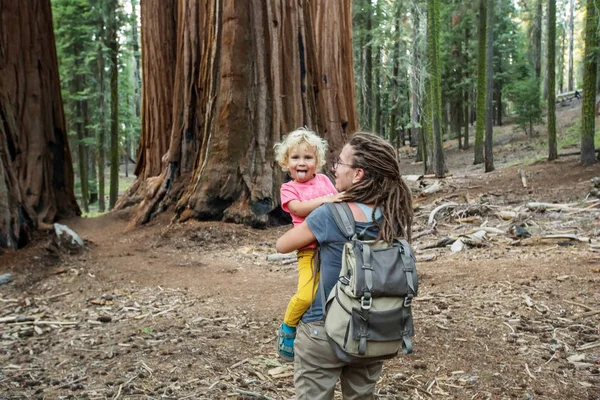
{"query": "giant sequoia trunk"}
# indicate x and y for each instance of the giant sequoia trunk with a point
(247, 72)
(36, 175)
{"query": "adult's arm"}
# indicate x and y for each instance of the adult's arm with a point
(296, 238)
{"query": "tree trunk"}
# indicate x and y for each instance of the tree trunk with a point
(36, 172)
(136, 56)
(552, 147)
(489, 95)
(415, 85)
(377, 93)
(395, 109)
(467, 90)
(537, 39)
(113, 46)
(247, 73)
(481, 96)
(433, 42)
(81, 148)
(369, 69)
(498, 95)
(101, 135)
(571, 39)
(159, 41)
(588, 119)
(561, 63)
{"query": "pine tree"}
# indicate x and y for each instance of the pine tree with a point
(113, 46)
(481, 68)
(588, 119)
(552, 147)
(489, 110)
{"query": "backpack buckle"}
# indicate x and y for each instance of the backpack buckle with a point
(366, 301)
(408, 301)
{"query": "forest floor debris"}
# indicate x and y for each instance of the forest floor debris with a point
(190, 310)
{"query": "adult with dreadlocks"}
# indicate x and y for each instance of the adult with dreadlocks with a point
(368, 174)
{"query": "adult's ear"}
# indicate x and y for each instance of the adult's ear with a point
(359, 175)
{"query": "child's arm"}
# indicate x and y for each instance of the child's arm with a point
(303, 208)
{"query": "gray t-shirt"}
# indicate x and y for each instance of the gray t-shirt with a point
(331, 239)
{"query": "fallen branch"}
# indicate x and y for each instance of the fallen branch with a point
(588, 346)
(539, 206)
(237, 364)
(529, 372)
(423, 233)
(438, 209)
(590, 313)
(17, 318)
(254, 394)
(574, 303)
(51, 297)
(567, 236)
(279, 256)
(83, 378)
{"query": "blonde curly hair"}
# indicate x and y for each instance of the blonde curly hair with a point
(296, 138)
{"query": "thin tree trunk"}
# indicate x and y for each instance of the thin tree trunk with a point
(81, 154)
(435, 82)
(588, 119)
(393, 133)
(498, 95)
(552, 146)
(369, 68)
(467, 90)
(537, 39)
(377, 115)
(36, 171)
(481, 96)
(415, 86)
(571, 39)
(113, 47)
(561, 63)
(101, 136)
(489, 127)
(136, 56)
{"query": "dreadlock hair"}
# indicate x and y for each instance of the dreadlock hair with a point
(382, 185)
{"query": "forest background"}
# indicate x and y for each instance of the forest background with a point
(99, 54)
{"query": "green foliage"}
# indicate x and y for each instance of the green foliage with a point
(80, 31)
(525, 97)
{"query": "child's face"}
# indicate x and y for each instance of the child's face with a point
(302, 163)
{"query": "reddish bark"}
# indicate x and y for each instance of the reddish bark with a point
(36, 173)
(247, 73)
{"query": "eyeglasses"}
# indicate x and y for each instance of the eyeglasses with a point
(337, 162)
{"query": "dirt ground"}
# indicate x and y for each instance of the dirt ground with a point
(190, 310)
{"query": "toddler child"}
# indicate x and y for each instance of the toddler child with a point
(302, 154)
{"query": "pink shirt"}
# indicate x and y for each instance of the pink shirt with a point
(319, 186)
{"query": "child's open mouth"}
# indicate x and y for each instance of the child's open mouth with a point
(301, 174)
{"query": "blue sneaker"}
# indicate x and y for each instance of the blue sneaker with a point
(285, 342)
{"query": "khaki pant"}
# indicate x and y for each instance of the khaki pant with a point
(317, 369)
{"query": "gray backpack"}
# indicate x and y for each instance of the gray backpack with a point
(368, 314)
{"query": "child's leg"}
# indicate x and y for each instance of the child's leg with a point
(307, 288)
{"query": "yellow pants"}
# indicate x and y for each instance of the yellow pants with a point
(307, 288)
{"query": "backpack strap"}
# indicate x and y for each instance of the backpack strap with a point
(343, 218)
(408, 270)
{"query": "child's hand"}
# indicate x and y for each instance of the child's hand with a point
(334, 198)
